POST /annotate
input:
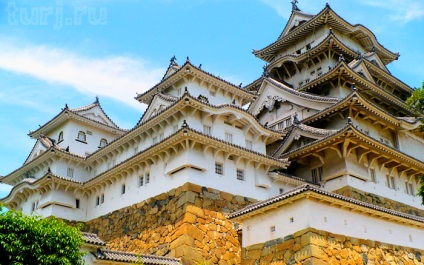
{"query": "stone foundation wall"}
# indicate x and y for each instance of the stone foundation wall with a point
(187, 223)
(378, 200)
(313, 247)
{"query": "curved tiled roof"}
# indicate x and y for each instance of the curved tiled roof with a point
(188, 63)
(312, 24)
(308, 188)
(127, 257)
(76, 112)
(304, 128)
(302, 94)
(93, 239)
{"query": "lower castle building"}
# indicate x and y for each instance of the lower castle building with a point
(315, 162)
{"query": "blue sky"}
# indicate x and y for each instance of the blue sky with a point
(71, 51)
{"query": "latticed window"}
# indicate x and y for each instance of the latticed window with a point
(316, 174)
(249, 144)
(123, 189)
(103, 143)
(207, 129)
(60, 138)
(147, 178)
(409, 188)
(70, 172)
(218, 169)
(141, 183)
(229, 137)
(240, 174)
(81, 136)
(372, 175)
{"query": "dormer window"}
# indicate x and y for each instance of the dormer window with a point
(60, 138)
(81, 137)
(103, 143)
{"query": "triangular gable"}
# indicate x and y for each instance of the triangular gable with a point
(272, 91)
(296, 19)
(37, 150)
(172, 68)
(158, 104)
(302, 134)
(95, 112)
(362, 70)
(375, 59)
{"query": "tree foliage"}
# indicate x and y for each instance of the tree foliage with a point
(27, 240)
(416, 102)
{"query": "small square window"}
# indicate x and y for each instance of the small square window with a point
(240, 174)
(218, 168)
(147, 178)
(272, 228)
(70, 172)
(281, 190)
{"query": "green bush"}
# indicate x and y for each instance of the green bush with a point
(27, 240)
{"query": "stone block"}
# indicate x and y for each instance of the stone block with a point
(185, 240)
(195, 210)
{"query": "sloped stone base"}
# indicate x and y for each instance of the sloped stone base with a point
(313, 247)
(187, 223)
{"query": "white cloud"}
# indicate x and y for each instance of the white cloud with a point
(5, 188)
(400, 10)
(118, 77)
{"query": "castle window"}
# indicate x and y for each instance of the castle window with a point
(229, 137)
(123, 189)
(240, 174)
(60, 138)
(207, 129)
(218, 168)
(70, 172)
(81, 137)
(77, 203)
(103, 143)
(102, 198)
(33, 207)
(281, 190)
(141, 182)
(272, 228)
(316, 174)
(390, 182)
(372, 175)
(97, 201)
(409, 188)
(147, 178)
(287, 122)
(249, 144)
(155, 140)
(161, 136)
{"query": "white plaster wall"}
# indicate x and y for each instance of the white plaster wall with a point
(411, 145)
(308, 213)
(70, 133)
(380, 188)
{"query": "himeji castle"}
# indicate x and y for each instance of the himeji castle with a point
(318, 161)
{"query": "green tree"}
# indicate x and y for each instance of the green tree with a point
(416, 102)
(27, 240)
